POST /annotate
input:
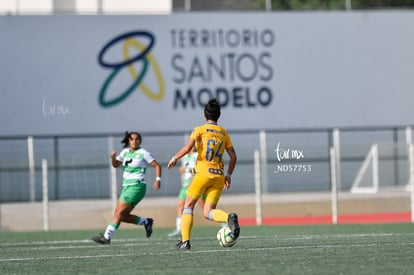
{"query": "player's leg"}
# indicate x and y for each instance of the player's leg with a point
(213, 194)
(194, 192)
(129, 198)
(115, 222)
(187, 218)
(135, 196)
(201, 201)
(180, 207)
(132, 196)
(186, 224)
(112, 227)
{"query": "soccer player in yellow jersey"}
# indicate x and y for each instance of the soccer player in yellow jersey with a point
(210, 140)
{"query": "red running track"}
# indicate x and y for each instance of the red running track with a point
(342, 219)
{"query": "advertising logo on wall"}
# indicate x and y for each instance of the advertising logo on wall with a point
(157, 72)
(233, 65)
(145, 57)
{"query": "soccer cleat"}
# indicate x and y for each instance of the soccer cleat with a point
(174, 233)
(177, 245)
(148, 227)
(100, 239)
(183, 245)
(233, 222)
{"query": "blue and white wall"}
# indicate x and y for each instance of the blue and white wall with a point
(96, 74)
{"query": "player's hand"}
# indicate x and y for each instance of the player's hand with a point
(172, 163)
(156, 185)
(113, 154)
(227, 182)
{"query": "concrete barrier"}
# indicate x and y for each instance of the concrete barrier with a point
(96, 214)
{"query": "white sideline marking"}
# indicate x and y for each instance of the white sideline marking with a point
(232, 250)
(143, 242)
(264, 237)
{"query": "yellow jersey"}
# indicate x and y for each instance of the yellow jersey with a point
(210, 141)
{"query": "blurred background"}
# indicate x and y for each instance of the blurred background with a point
(296, 79)
(160, 6)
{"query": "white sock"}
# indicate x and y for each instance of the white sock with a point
(109, 231)
(142, 221)
(178, 223)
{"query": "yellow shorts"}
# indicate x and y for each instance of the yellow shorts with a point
(212, 187)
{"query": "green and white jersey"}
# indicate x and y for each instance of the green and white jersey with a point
(134, 165)
(189, 162)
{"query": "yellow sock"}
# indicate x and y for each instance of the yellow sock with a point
(186, 226)
(218, 215)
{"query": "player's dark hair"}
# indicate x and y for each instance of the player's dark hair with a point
(212, 110)
(127, 136)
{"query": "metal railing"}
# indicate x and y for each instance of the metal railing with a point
(79, 163)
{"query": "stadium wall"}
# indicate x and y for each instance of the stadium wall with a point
(98, 74)
(75, 82)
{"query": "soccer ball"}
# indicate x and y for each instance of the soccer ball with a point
(224, 237)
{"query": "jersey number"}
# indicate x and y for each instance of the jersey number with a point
(212, 151)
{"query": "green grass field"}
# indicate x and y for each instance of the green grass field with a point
(324, 249)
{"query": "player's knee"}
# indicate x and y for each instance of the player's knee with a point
(117, 213)
(122, 214)
(189, 203)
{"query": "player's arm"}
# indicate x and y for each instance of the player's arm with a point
(182, 152)
(232, 164)
(115, 163)
(157, 182)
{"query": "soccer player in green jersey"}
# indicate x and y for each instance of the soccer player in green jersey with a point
(210, 140)
(134, 160)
